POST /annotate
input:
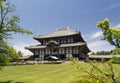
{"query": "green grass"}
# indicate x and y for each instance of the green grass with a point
(41, 73)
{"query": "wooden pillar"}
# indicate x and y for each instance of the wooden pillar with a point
(57, 50)
(72, 50)
(34, 54)
(60, 40)
(65, 50)
(79, 49)
(50, 50)
(39, 54)
(65, 53)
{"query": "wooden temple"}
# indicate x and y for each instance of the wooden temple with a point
(61, 43)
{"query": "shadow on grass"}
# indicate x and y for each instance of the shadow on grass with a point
(11, 81)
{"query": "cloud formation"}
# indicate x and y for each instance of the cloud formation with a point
(100, 46)
(93, 35)
(117, 26)
(96, 44)
(96, 34)
(21, 47)
(110, 7)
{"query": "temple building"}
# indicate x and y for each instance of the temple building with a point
(61, 43)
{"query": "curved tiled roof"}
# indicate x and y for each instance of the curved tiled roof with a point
(58, 33)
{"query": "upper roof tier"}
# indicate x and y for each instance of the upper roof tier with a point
(58, 33)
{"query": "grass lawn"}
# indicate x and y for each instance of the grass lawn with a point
(42, 73)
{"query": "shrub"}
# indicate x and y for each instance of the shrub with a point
(111, 61)
(115, 60)
(4, 60)
(52, 62)
(94, 61)
(102, 60)
(86, 80)
(116, 51)
(107, 76)
(93, 53)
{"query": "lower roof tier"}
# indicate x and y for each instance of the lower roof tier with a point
(61, 45)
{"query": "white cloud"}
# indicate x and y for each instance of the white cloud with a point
(96, 34)
(96, 44)
(93, 35)
(21, 47)
(117, 26)
(100, 46)
(110, 7)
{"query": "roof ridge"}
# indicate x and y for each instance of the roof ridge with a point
(46, 33)
(63, 29)
(58, 32)
(55, 31)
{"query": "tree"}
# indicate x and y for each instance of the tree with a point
(93, 53)
(115, 51)
(103, 53)
(8, 21)
(7, 54)
(112, 35)
(20, 53)
(9, 24)
(104, 72)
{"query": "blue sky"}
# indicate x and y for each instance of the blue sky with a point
(43, 16)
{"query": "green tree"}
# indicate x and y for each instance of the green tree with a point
(20, 54)
(9, 24)
(112, 35)
(93, 53)
(9, 51)
(97, 72)
(115, 51)
(103, 53)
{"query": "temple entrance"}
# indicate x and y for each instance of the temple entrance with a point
(52, 45)
(76, 56)
(62, 56)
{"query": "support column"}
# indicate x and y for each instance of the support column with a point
(39, 55)
(65, 50)
(66, 54)
(72, 50)
(34, 54)
(79, 51)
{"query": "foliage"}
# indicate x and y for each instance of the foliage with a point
(8, 21)
(101, 53)
(93, 53)
(102, 60)
(52, 62)
(112, 35)
(115, 60)
(13, 55)
(11, 81)
(85, 80)
(112, 52)
(115, 51)
(108, 76)
(9, 24)
(7, 54)
(20, 53)
(3, 60)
